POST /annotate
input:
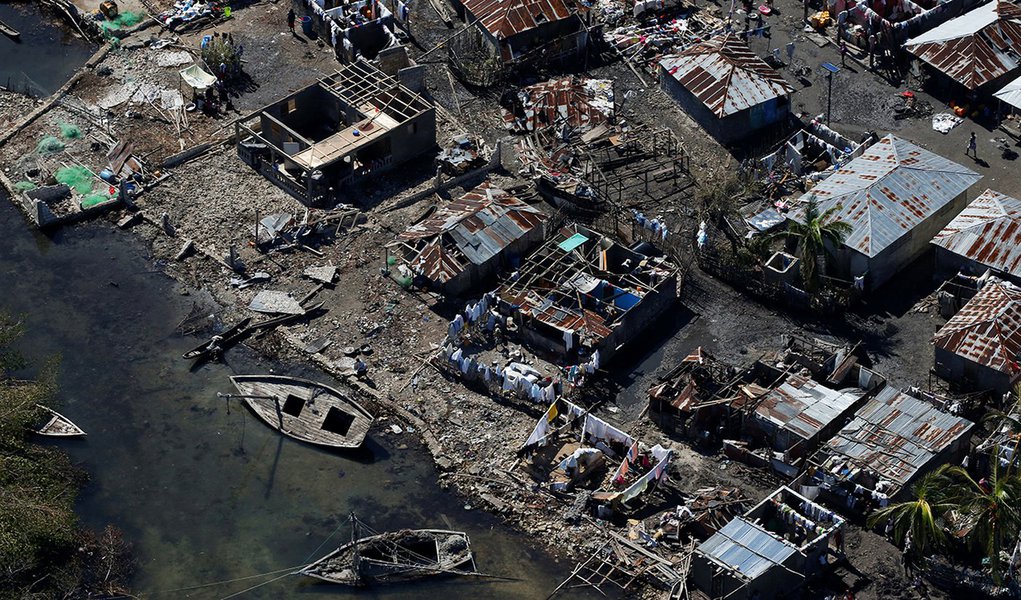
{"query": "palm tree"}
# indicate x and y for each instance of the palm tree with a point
(812, 233)
(993, 507)
(923, 515)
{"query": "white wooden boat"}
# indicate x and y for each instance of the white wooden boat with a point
(305, 410)
(395, 556)
(58, 425)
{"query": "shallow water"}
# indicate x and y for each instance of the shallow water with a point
(47, 55)
(206, 493)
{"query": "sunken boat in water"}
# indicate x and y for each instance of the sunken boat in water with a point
(57, 425)
(395, 556)
(305, 410)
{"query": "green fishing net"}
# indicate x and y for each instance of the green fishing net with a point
(49, 145)
(95, 198)
(77, 178)
(69, 131)
(125, 19)
(24, 186)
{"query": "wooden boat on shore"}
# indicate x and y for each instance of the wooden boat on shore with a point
(58, 425)
(218, 343)
(395, 556)
(305, 410)
(9, 31)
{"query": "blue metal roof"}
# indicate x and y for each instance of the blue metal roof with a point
(887, 191)
(746, 547)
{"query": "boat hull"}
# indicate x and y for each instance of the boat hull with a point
(396, 556)
(305, 410)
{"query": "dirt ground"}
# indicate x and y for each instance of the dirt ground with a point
(214, 200)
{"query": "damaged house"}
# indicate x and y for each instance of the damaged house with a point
(726, 88)
(572, 449)
(767, 553)
(689, 396)
(986, 235)
(891, 442)
(980, 347)
(582, 292)
(896, 196)
(529, 31)
(573, 103)
(355, 123)
(467, 241)
(795, 416)
(975, 49)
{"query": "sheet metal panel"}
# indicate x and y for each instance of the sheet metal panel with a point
(470, 230)
(725, 75)
(972, 49)
(988, 232)
(895, 435)
(888, 190)
(507, 18)
(804, 407)
(987, 330)
(746, 547)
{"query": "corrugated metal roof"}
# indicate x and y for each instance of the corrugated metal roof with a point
(507, 18)
(746, 547)
(804, 407)
(988, 232)
(577, 101)
(988, 329)
(726, 75)
(887, 191)
(895, 435)
(973, 49)
(472, 229)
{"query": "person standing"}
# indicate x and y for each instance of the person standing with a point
(291, 18)
(972, 146)
(907, 559)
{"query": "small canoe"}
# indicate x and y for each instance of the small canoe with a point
(9, 31)
(218, 343)
(396, 556)
(58, 425)
(305, 410)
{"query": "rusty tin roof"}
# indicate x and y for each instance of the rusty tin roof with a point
(472, 229)
(988, 232)
(726, 75)
(803, 407)
(507, 18)
(887, 191)
(896, 435)
(987, 330)
(974, 48)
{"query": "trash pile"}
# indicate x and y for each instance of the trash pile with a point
(462, 155)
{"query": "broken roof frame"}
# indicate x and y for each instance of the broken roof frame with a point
(359, 85)
(549, 284)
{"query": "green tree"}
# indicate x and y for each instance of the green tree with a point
(923, 514)
(993, 508)
(812, 233)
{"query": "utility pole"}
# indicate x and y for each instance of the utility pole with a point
(831, 69)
